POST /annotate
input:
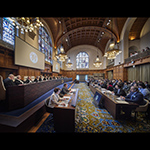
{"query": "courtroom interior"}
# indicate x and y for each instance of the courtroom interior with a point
(75, 74)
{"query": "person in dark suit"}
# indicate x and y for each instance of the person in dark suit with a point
(41, 78)
(135, 96)
(147, 85)
(64, 90)
(18, 80)
(118, 91)
(28, 80)
(109, 86)
(9, 81)
(36, 79)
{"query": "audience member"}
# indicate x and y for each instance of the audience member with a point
(109, 86)
(103, 85)
(147, 85)
(135, 96)
(147, 49)
(119, 91)
(142, 88)
(126, 87)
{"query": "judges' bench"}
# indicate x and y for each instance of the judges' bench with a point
(20, 96)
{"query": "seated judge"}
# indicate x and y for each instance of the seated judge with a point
(18, 80)
(118, 91)
(134, 96)
(28, 80)
(41, 78)
(64, 90)
(36, 79)
(45, 78)
(55, 98)
(9, 81)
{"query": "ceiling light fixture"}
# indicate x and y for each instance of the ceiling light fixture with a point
(113, 49)
(26, 23)
(69, 63)
(62, 56)
(97, 63)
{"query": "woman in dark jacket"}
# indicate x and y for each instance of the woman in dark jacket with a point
(109, 86)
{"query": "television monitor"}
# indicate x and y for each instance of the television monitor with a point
(97, 98)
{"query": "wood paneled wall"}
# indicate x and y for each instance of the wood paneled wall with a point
(119, 72)
(72, 73)
(7, 66)
(25, 71)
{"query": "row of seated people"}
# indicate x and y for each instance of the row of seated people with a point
(137, 52)
(57, 96)
(11, 80)
(46, 78)
(129, 91)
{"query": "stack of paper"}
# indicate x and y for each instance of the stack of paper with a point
(73, 90)
(60, 105)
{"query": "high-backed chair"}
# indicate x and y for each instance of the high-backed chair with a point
(142, 108)
(2, 89)
(48, 109)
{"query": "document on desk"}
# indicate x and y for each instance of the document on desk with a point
(122, 102)
(73, 90)
(68, 97)
(66, 103)
(119, 100)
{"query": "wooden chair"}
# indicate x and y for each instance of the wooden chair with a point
(48, 109)
(2, 89)
(142, 108)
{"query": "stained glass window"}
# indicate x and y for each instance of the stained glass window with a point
(45, 44)
(82, 60)
(8, 31)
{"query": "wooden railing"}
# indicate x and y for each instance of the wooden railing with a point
(140, 55)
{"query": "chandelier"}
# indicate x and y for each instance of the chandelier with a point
(69, 64)
(97, 63)
(111, 54)
(62, 56)
(26, 23)
(112, 51)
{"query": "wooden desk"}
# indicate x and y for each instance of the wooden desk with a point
(111, 104)
(20, 96)
(64, 117)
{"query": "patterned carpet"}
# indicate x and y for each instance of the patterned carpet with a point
(90, 119)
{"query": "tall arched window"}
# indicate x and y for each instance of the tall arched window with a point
(82, 60)
(8, 31)
(45, 44)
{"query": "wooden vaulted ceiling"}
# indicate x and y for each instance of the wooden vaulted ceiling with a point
(96, 31)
